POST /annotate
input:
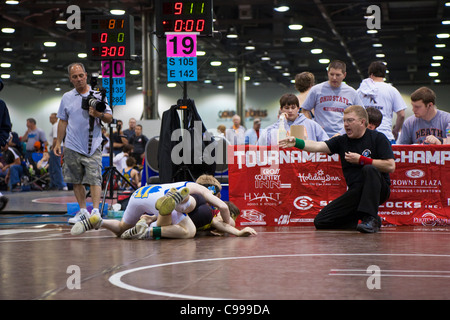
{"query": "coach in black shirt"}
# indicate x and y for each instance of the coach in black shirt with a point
(366, 159)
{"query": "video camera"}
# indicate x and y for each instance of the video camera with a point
(91, 100)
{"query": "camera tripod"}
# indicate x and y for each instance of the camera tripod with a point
(111, 173)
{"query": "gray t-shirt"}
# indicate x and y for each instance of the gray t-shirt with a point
(329, 104)
(415, 130)
(383, 97)
(77, 131)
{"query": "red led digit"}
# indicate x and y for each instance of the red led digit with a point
(121, 51)
(200, 26)
(103, 37)
(189, 25)
(178, 26)
(178, 7)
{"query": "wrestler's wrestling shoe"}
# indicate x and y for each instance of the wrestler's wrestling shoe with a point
(168, 204)
(160, 200)
(137, 231)
(369, 224)
(86, 223)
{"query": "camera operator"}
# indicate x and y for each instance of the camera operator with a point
(80, 127)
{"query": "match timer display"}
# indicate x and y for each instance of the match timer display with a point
(184, 16)
(110, 37)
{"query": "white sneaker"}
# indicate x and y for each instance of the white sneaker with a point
(135, 232)
(86, 223)
(77, 217)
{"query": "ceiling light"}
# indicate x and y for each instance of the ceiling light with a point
(12, 2)
(256, 84)
(207, 81)
(281, 8)
(8, 30)
(316, 51)
(250, 47)
(372, 31)
(380, 55)
(171, 85)
(324, 61)
(61, 21)
(200, 53)
(216, 63)
(220, 86)
(57, 88)
(286, 74)
(38, 72)
(232, 69)
(295, 26)
(134, 72)
(433, 74)
(7, 49)
(377, 45)
(50, 44)
(440, 45)
(265, 58)
(437, 80)
(5, 65)
(445, 22)
(246, 78)
(435, 64)
(5, 76)
(278, 67)
(82, 55)
(43, 60)
(306, 39)
(443, 35)
(117, 12)
(438, 58)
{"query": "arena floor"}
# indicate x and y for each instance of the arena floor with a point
(41, 260)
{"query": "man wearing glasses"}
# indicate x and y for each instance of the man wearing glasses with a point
(366, 159)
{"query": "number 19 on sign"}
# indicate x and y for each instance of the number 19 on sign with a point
(181, 56)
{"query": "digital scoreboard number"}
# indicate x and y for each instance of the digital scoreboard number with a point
(184, 16)
(110, 37)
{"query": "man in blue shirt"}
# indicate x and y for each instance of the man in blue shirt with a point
(82, 147)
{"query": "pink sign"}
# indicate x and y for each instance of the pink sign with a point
(181, 44)
(116, 68)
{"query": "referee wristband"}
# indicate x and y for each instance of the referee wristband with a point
(299, 143)
(364, 160)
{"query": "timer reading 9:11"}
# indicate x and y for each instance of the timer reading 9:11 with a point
(184, 16)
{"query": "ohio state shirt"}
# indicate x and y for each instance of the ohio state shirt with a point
(329, 104)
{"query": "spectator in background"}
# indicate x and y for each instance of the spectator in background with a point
(5, 129)
(131, 128)
(31, 136)
(375, 118)
(428, 124)
(329, 99)
(118, 139)
(252, 135)
(374, 92)
(54, 169)
(289, 105)
(120, 159)
(138, 141)
(303, 83)
(236, 134)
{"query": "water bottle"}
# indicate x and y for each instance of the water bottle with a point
(447, 133)
(282, 133)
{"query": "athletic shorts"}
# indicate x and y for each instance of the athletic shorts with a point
(202, 215)
(81, 169)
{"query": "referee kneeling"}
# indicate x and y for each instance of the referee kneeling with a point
(366, 159)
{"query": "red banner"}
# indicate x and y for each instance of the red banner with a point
(289, 187)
